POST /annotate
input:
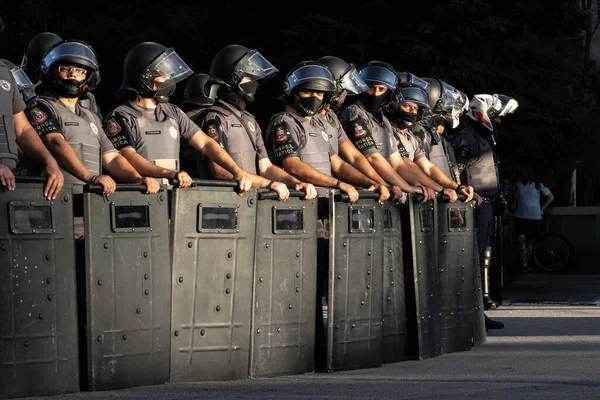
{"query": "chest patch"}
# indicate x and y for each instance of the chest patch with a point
(4, 84)
(173, 132)
(94, 128)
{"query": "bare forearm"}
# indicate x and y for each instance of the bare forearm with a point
(68, 159)
(212, 150)
(387, 172)
(275, 173)
(121, 170)
(441, 178)
(306, 173)
(145, 167)
(423, 178)
(348, 173)
(31, 144)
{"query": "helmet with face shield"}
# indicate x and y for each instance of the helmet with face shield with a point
(347, 79)
(488, 107)
(71, 52)
(410, 92)
(309, 76)
(446, 101)
(152, 70)
(21, 79)
(235, 62)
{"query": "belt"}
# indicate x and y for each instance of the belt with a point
(487, 200)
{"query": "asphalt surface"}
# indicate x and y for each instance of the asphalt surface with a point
(549, 349)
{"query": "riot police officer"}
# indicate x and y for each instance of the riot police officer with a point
(348, 82)
(403, 113)
(371, 132)
(147, 129)
(36, 49)
(18, 132)
(234, 128)
(72, 132)
(475, 151)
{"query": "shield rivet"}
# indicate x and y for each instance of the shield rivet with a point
(227, 291)
(176, 333)
(180, 280)
(228, 275)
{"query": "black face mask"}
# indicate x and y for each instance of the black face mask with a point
(373, 104)
(249, 89)
(308, 106)
(69, 88)
(163, 94)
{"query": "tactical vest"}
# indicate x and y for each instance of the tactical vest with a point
(330, 126)
(314, 143)
(239, 134)
(382, 133)
(81, 132)
(439, 158)
(8, 141)
(481, 169)
(158, 140)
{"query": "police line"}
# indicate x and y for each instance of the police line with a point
(211, 285)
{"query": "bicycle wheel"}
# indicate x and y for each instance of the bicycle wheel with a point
(551, 253)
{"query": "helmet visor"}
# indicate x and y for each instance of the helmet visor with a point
(71, 52)
(255, 66)
(21, 78)
(308, 73)
(414, 94)
(170, 67)
(375, 75)
(352, 82)
(503, 105)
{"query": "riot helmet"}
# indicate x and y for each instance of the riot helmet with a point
(378, 73)
(309, 76)
(21, 79)
(235, 62)
(347, 79)
(71, 52)
(35, 51)
(407, 92)
(486, 108)
(201, 90)
(445, 100)
(152, 70)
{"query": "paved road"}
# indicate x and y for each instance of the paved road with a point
(549, 349)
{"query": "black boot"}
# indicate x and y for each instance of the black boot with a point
(491, 324)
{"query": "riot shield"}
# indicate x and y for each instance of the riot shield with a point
(394, 308)
(479, 332)
(213, 231)
(38, 302)
(355, 310)
(128, 289)
(283, 316)
(456, 268)
(423, 300)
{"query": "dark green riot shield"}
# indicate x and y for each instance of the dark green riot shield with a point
(213, 230)
(456, 268)
(38, 302)
(283, 317)
(394, 308)
(355, 310)
(423, 300)
(479, 332)
(128, 290)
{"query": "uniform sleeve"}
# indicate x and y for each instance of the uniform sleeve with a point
(118, 132)
(43, 119)
(187, 127)
(106, 145)
(284, 143)
(360, 134)
(418, 150)
(18, 104)
(260, 144)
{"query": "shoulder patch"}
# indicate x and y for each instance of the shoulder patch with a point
(112, 127)
(359, 128)
(281, 133)
(211, 130)
(38, 116)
